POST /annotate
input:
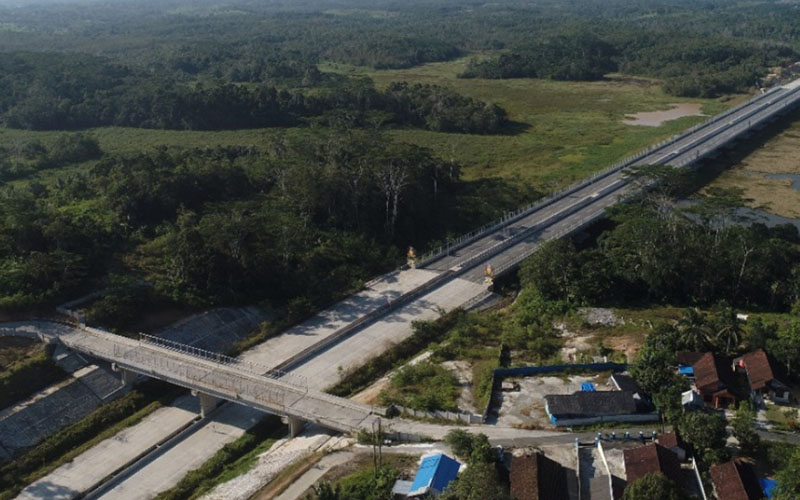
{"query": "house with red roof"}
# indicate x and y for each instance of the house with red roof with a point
(763, 374)
(736, 480)
(715, 381)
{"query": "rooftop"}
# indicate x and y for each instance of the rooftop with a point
(584, 403)
(652, 457)
(736, 480)
(760, 368)
(713, 373)
(536, 477)
(688, 358)
(434, 474)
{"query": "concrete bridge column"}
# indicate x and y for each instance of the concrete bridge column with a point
(207, 403)
(296, 425)
(128, 377)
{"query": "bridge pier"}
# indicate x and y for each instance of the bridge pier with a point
(128, 377)
(207, 403)
(296, 425)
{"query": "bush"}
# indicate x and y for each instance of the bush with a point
(425, 332)
(423, 386)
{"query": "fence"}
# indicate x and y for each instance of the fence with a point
(239, 364)
(469, 418)
(527, 371)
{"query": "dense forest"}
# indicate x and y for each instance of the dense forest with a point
(57, 92)
(341, 198)
(302, 218)
(698, 48)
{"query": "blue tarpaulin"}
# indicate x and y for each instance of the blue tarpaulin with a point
(686, 370)
(768, 486)
(587, 386)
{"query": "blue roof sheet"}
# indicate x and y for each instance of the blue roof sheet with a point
(587, 386)
(435, 473)
(768, 486)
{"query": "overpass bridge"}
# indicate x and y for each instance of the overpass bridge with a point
(279, 390)
(214, 377)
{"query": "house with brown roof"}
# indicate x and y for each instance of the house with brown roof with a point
(736, 480)
(762, 374)
(651, 458)
(714, 380)
(674, 443)
(536, 477)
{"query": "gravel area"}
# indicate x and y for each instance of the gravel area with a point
(600, 316)
(525, 408)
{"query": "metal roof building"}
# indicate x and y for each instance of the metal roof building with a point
(434, 474)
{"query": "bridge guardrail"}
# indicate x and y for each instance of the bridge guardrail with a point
(512, 217)
(248, 366)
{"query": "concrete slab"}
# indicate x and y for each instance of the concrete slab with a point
(389, 287)
(91, 467)
(328, 367)
(165, 469)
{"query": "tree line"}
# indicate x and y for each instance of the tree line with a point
(57, 92)
(688, 66)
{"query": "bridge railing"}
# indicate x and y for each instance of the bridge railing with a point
(248, 366)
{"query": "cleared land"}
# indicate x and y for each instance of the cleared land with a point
(778, 155)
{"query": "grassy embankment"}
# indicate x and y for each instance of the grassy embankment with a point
(68, 443)
(24, 377)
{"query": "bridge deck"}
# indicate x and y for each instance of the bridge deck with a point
(281, 395)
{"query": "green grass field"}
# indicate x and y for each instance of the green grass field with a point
(565, 130)
(562, 132)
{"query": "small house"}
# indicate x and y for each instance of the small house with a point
(714, 380)
(652, 457)
(434, 474)
(736, 480)
(536, 477)
(762, 376)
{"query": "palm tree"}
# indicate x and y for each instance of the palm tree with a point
(728, 328)
(693, 331)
